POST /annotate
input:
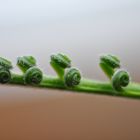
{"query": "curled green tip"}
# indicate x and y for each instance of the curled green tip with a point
(5, 63)
(5, 75)
(26, 62)
(61, 60)
(111, 60)
(33, 76)
(72, 77)
(120, 79)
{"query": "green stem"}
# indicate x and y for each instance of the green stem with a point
(59, 70)
(107, 70)
(86, 85)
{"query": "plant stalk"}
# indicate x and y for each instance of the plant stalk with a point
(86, 86)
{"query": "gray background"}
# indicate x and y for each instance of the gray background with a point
(83, 29)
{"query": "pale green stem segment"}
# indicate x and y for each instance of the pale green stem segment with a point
(109, 63)
(86, 85)
(107, 70)
(59, 70)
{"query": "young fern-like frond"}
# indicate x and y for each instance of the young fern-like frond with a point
(59, 63)
(32, 74)
(110, 64)
(69, 77)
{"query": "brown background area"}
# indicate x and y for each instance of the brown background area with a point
(52, 114)
(83, 29)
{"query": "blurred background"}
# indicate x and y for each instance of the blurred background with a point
(83, 29)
